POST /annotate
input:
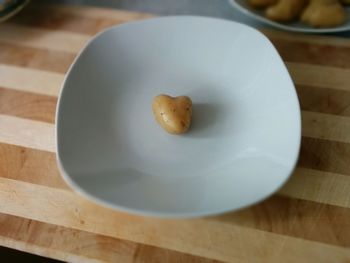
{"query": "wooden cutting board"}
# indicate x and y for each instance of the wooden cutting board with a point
(307, 221)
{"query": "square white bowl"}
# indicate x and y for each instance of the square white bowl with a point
(245, 136)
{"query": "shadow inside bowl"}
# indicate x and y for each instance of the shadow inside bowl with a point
(207, 119)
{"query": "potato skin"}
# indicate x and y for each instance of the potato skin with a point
(324, 13)
(316, 13)
(285, 10)
(173, 113)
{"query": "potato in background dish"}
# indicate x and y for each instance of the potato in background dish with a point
(286, 10)
(324, 13)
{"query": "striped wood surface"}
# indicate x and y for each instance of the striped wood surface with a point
(307, 221)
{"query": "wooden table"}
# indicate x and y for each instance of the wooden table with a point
(307, 221)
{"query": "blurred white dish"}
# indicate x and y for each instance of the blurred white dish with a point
(244, 140)
(258, 15)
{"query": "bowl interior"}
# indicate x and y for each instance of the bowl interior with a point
(245, 135)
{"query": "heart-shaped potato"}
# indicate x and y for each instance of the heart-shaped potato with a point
(173, 113)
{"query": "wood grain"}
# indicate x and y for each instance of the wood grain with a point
(29, 165)
(304, 38)
(81, 246)
(39, 38)
(298, 218)
(304, 52)
(325, 155)
(318, 186)
(278, 215)
(27, 105)
(325, 126)
(92, 20)
(57, 19)
(211, 238)
(30, 80)
(28, 133)
(93, 12)
(320, 76)
(324, 100)
(35, 58)
(317, 49)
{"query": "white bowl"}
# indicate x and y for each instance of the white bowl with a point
(244, 7)
(246, 130)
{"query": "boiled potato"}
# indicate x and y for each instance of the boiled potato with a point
(285, 10)
(324, 13)
(173, 113)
